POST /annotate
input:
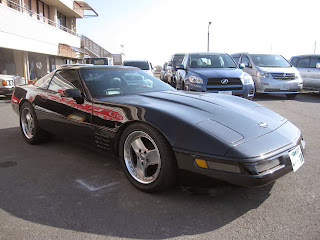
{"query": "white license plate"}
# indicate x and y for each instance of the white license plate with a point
(296, 158)
(284, 88)
(225, 92)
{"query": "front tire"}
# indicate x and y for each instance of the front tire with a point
(29, 124)
(147, 158)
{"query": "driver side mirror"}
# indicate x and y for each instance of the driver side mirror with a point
(242, 65)
(247, 64)
(318, 65)
(75, 94)
(180, 66)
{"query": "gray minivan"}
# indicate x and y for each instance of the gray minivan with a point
(309, 68)
(271, 73)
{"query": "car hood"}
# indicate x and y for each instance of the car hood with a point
(278, 69)
(216, 72)
(230, 118)
(7, 77)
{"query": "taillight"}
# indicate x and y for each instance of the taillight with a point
(4, 83)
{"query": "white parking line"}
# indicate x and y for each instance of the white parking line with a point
(92, 188)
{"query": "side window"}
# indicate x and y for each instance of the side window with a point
(303, 62)
(44, 81)
(314, 61)
(245, 60)
(294, 61)
(65, 79)
(236, 59)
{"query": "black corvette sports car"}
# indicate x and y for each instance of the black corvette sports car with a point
(157, 130)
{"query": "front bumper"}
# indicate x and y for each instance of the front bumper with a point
(278, 86)
(6, 91)
(248, 175)
(246, 91)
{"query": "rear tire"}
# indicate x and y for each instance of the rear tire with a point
(29, 124)
(147, 158)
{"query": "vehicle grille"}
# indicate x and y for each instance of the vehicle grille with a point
(283, 76)
(215, 84)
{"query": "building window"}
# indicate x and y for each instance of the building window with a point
(62, 21)
(52, 61)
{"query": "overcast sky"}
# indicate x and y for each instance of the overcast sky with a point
(156, 29)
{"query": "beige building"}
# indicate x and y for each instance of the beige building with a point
(37, 36)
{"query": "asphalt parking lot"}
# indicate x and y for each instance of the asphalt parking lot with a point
(66, 190)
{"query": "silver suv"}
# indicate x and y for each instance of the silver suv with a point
(271, 73)
(309, 68)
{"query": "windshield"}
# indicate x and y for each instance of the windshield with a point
(211, 61)
(267, 60)
(177, 59)
(141, 65)
(106, 82)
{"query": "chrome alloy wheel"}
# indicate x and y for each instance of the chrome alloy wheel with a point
(142, 157)
(27, 123)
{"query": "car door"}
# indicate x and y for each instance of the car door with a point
(248, 65)
(303, 66)
(62, 114)
(314, 74)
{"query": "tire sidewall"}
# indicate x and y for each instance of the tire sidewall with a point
(35, 139)
(166, 177)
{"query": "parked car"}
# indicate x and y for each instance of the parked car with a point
(144, 65)
(99, 60)
(163, 72)
(213, 72)
(170, 71)
(8, 82)
(156, 130)
(309, 68)
(271, 73)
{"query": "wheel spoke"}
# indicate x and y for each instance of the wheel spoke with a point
(153, 157)
(141, 168)
(138, 146)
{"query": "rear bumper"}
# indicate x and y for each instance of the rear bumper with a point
(248, 176)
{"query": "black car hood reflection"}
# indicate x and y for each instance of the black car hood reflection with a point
(248, 119)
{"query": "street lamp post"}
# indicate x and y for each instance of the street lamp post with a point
(208, 36)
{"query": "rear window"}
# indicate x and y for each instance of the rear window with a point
(138, 64)
(44, 81)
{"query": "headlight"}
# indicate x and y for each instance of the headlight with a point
(195, 79)
(264, 74)
(246, 78)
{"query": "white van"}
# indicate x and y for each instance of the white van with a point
(144, 65)
(271, 73)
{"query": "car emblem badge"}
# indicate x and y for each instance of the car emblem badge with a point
(224, 81)
(284, 75)
(262, 124)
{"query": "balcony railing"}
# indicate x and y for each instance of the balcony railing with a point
(35, 15)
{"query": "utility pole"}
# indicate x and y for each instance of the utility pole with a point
(208, 36)
(315, 46)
